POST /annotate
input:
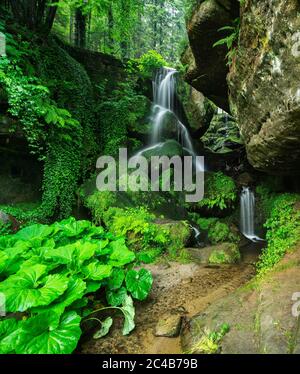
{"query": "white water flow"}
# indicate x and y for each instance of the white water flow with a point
(164, 113)
(247, 222)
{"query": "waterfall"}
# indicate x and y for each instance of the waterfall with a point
(247, 220)
(164, 112)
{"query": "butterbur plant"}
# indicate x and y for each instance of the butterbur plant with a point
(46, 274)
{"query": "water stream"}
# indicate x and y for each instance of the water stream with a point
(247, 219)
(164, 113)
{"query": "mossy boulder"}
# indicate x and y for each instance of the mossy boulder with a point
(170, 148)
(207, 68)
(225, 253)
(179, 233)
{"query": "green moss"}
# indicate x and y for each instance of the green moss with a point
(227, 253)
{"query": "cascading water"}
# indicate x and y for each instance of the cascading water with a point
(164, 112)
(247, 221)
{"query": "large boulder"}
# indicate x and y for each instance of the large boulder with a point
(207, 67)
(198, 109)
(264, 84)
(261, 319)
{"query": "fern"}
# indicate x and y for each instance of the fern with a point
(231, 40)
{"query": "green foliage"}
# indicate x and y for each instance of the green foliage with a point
(46, 270)
(283, 226)
(147, 64)
(219, 192)
(124, 110)
(52, 104)
(139, 283)
(148, 256)
(231, 40)
(220, 232)
(137, 224)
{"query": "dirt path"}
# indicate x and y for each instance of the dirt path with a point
(184, 289)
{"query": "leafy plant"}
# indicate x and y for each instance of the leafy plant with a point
(46, 273)
(147, 64)
(210, 341)
(283, 227)
(231, 40)
(219, 192)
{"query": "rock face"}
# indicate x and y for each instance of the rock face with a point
(169, 326)
(207, 68)
(223, 135)
(264, 84)
(260, 318)
(198, 109)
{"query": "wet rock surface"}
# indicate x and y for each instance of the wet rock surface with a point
(259, 315)
(169, 326)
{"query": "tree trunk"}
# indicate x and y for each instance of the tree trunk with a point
(80, 28)
(37, 15)
(110, 17)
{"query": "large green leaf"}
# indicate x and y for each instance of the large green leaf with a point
(116, 298)
(7, 326)
(105, 327)
(115, 281)
(75, 253)
(129, 313)
(42, 335)
(75, 291)
(25, 289)
(3, 261)
(139, 283)
(9, 335)
(96, 271)
(72, 228)
(15, 257)
(34, 233)
(120, 255)
(61, 255)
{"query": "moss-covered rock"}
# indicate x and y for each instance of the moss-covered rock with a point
(225, 253)
(264, 85)
(220, 232)
(223, 135)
